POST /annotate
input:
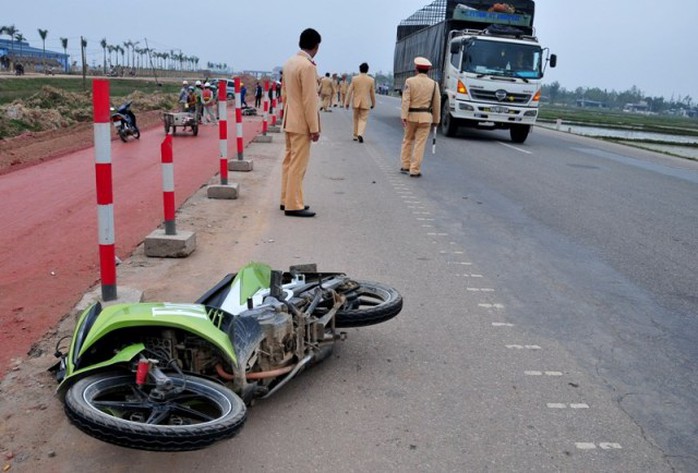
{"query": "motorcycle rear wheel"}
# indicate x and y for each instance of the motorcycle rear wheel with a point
(112, 408)
(369, 304)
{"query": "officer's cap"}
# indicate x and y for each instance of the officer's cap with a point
(422, 62)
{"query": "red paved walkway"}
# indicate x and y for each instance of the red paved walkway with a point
(48, 223)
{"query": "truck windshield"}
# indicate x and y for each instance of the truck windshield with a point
(502, 59)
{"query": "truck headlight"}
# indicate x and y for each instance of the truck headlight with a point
(466, 107)
(531, 113)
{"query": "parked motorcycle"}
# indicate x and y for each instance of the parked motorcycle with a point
(124, 121)
(176, 377)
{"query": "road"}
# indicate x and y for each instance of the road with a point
(549, 321)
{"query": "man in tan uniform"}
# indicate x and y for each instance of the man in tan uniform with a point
(326, 90)
(343, 87)
(362, 96)
(301, 122)
(421, 109)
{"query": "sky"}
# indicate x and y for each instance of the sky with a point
(609, 44)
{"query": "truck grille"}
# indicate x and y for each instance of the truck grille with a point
(490, 96)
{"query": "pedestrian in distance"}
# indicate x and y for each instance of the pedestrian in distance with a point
(335, 90)
(343, 87)
(258, 93)
(301, 122)
(209, 101)
(191, 100)
(326, 89)
(421, 109)
(243, 93)
(361, 94)
(183, 94)
(199, 90)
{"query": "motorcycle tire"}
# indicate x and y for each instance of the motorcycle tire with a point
(369, 304)
(137, 134)
(195, 130)
(112, 408)
(122, 135)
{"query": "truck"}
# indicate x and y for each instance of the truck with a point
(486, 59)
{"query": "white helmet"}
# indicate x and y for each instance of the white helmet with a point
(185, 82)
(207, 84)
(198, 82)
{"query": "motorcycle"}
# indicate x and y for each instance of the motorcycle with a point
(178, 377)
(124, 121)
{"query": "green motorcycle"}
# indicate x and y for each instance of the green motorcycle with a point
(176, 377)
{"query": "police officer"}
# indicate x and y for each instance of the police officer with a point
(301, 122)
(361, 94)
(421, 109)
(326, 89)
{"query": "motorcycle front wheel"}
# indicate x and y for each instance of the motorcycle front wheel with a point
(122, 134)
(113, 408)
(369, 303)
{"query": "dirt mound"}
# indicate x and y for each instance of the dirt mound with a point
(60, 122)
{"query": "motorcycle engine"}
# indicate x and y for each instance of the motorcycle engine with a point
(277, 347)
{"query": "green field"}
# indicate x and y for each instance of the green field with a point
(614, 119)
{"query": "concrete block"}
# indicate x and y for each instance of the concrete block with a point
(240, 165)
(159, 245)
(274, 129)
(219, 191)
(124, 295)
(262, 139)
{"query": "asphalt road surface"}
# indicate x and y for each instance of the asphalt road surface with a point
(549, 321)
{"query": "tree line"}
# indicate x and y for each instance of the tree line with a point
(126, 54)
(558, 95)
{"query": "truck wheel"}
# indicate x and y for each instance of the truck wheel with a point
(519, 133)
(448, 123)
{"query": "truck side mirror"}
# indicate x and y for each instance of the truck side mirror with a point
(553, 60)
(455, 48)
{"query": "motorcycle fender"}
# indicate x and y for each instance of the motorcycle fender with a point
(124, 356)
(192, 318)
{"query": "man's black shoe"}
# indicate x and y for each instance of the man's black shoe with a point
(404, 171)
(283, 207)
(299, 213)
(419, 174)
(361, 139)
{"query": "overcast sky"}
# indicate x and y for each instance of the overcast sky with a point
(600, 43)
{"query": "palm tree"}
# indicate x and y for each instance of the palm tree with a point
(122, 51)
(11, 31)
(127, 45)
(133, 53)
(43, 34)
(110, 48)
(104, 45)
(20, 39)
(64, 43)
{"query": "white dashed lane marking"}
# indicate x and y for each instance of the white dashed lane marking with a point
(543, 373)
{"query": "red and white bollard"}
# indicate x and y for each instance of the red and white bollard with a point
(238, 119)
(105, 196)
(168, 194)
(265, 101)
(273, 107)
(223, 130)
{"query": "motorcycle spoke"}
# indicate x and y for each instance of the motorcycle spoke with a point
(158, 415)
(192, 413)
